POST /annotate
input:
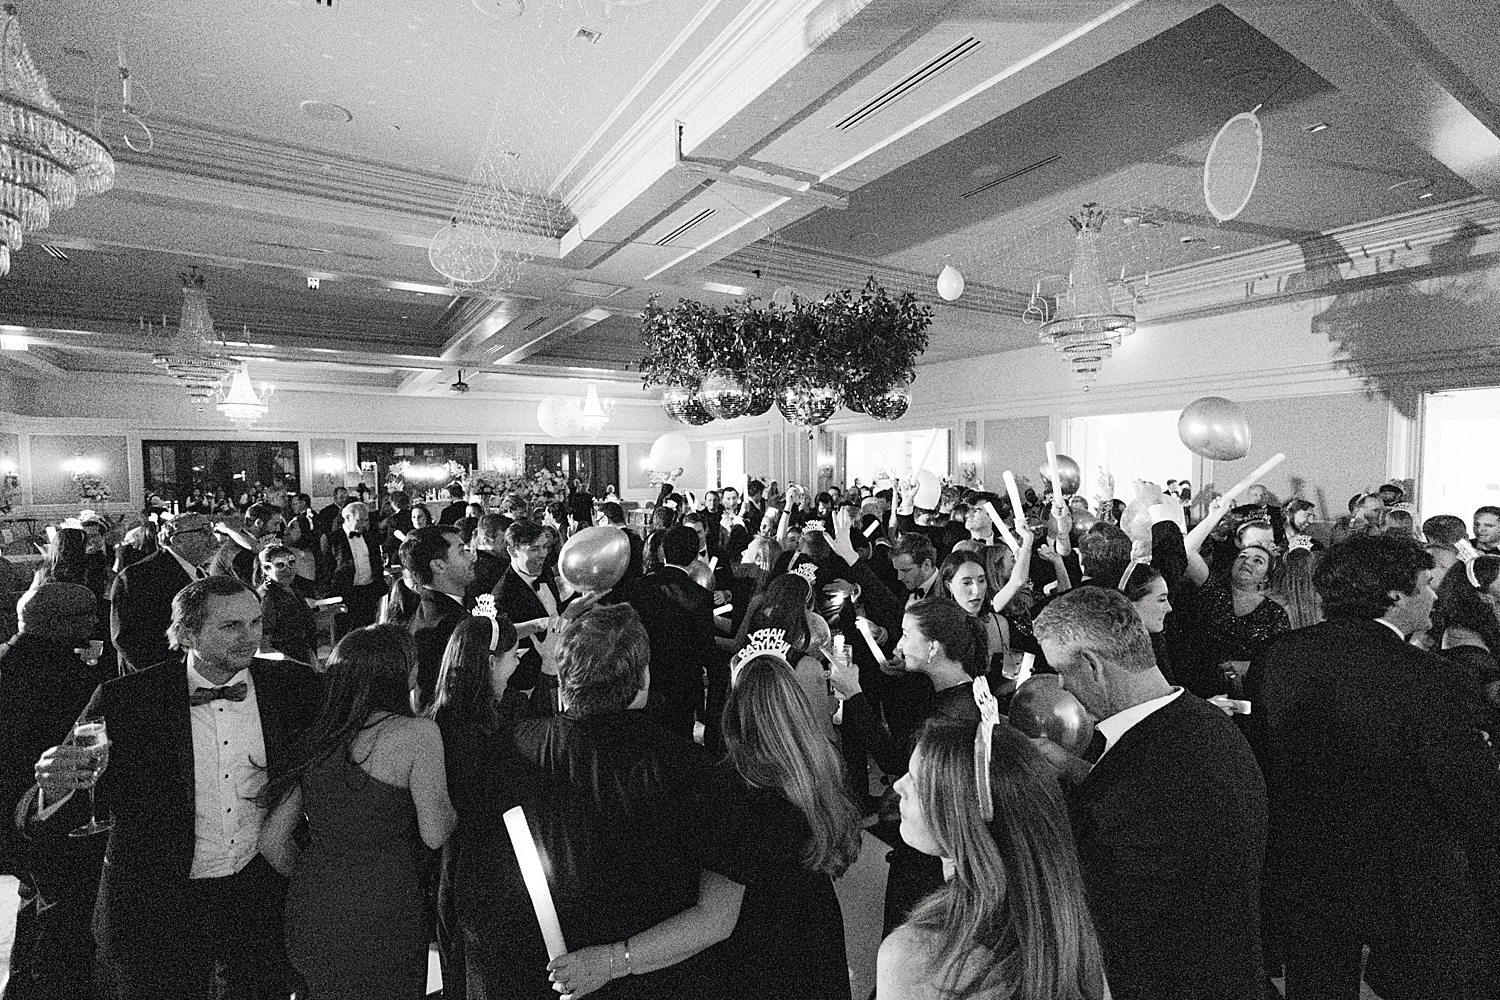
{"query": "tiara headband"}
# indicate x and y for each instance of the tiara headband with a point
(1125, 576)
(484, 607)
(764, 642)
(989, 717)
(807, 571)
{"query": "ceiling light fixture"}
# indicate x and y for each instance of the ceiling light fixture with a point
(242, 404)
(593, 416)
(196, 355)
(45, 162)
(1426, 194)
(1087, 327)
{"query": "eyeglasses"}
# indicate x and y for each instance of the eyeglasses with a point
(282, 564)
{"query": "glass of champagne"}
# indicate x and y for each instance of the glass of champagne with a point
(90, 733)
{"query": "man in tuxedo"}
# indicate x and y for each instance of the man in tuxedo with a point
(1487, 530)
(185, 898)
(1170, 821)
(678, 615)
(443, 568)
(302, 513)
(351, 557)
(328, 518)
(1378, 782)
(490, 558)
(454, 511)
(141, 601)
(397, 525)
(262, 522)
(527, 595)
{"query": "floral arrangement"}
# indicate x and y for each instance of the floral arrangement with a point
(10, 488)
(858, 349)
(91, 489)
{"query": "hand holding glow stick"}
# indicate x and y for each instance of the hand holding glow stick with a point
(1001, 528)
(1055, 475)
(535, 878)
(1017, 511)
(863, 624)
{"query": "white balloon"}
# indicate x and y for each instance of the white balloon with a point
(950, 282)
(669, 452)
(558, 416)
(929, 490)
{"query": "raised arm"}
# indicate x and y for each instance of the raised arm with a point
(1020, 574)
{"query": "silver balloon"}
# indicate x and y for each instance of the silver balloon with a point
(595, 559)
(1215, 428)
(701, 574)
(1041, 707)
(1068, 474)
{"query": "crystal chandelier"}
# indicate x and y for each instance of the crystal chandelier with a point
(45, 162)
(1087, 326)
(196, 356)
(241, 404)
(592, 416)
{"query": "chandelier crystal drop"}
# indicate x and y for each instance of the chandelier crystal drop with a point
(45, 161)
(1088, 326)
(196, 356)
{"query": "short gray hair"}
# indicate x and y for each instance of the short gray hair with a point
(1102, 621)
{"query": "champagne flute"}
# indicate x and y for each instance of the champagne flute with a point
(90, 733)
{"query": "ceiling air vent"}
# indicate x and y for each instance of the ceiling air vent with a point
(53, 251)
(1022, 172)
(689, 224)
(910, 83)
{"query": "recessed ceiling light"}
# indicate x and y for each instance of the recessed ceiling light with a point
(587, 35)
(326, 111)
(1317, 127)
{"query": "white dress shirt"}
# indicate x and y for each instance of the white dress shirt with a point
(363, 575)
(1120, 723)
(227, 747)
(925, 591)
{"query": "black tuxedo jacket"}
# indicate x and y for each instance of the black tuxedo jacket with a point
(398, 521)
(488, 569)
(339, 562)
(149, 790)
(233, 559)
(1378, 776)
(678, 615)
(140, 609)
(515, 599)
(453, 513)
(328, 518)
(437, 616)
(1171, 831)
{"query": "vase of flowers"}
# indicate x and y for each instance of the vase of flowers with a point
(92, 490)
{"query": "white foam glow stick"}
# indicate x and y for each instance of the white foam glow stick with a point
(926, 454)
(1054, 475)
(713, 563)
(874, 527)
(1254, 477)
(1005, 535)
(1016, 510)
(1024, 673)
(863, 624)
(723, 609)
(535, 878)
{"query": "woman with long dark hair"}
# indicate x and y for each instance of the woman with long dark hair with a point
(794, 832)
(965, 579)
(487, 933)
(1012, 921)
(787, 605)
(370, 779)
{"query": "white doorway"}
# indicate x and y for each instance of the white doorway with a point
(870, 458)
(726, 464)
(1460, 452)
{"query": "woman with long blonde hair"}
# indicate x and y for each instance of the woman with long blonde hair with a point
(794, 831)
(1012, 921)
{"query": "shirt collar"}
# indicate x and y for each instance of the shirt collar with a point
(1120, 723)
(187, 567)
(928, 584)
(196, 680)
(1399, 634)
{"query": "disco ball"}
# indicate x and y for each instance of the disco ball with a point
(723, 394)
(889, 405)
(807, 405)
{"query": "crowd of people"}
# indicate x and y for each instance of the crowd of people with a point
(307, 730)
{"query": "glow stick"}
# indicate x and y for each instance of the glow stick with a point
(1005, 535)
(723, 609)
(536, 881)
(1250, 480)
(874, 527)
(327, 601)
(1016, 510)
(926, 454)
(713, 563)
(1055, 476)
(863, 624)
(1024, 673)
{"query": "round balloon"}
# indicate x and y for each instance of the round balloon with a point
(1068, 474)
(929, 490)
(595, 559)
(701, 574)
(558, 416)
(950, 283)
(668, 452)
(1215, 428)
(1041, 707)
(819, 635)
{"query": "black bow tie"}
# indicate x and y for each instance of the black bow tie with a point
(1096, 747)
(356, 534)
(234, 692)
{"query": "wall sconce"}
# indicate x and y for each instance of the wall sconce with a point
(825, 460)
(78, 465)
(329, 465)
(503, 464)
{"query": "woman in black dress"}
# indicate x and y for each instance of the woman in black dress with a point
(794, 831)
(488, 937)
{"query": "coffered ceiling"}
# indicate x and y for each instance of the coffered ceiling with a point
(709, 148)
